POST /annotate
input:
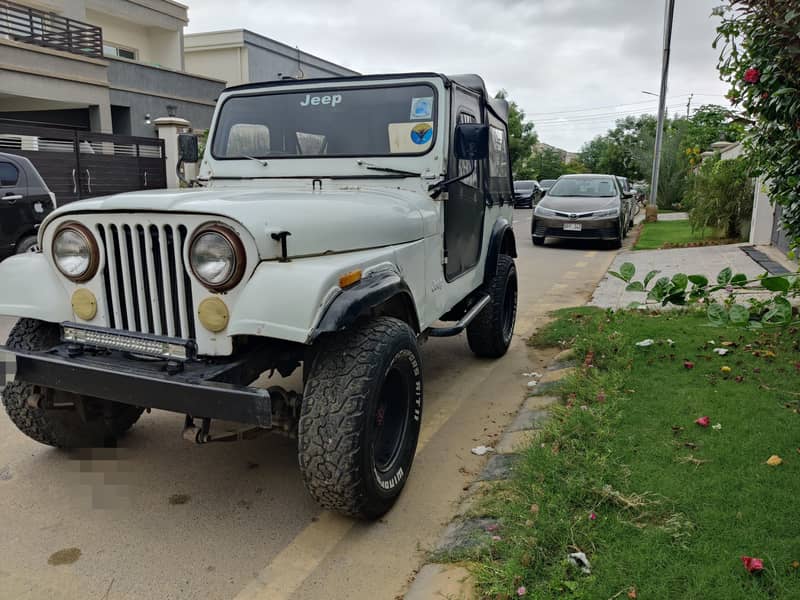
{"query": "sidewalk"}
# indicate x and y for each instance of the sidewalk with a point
(708, 261)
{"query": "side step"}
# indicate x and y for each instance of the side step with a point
(465, 320)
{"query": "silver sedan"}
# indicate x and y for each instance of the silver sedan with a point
(582, 207)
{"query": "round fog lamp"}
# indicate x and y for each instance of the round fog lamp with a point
(213, 314)
(84, 304)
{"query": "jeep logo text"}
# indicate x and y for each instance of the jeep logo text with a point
(317, 100)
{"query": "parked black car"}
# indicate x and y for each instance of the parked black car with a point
(527, 193)
(546, 184)
(25, 201)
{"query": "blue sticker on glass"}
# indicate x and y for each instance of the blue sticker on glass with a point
(422, 108)
(421, 133)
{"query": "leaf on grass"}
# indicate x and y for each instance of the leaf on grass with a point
(703, 421)
(774, 460)
(753, 565)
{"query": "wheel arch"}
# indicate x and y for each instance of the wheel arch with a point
(502, 241)
(382, 294)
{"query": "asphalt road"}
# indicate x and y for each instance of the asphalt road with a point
(161, 518)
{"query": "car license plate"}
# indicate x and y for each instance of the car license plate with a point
(572, 226)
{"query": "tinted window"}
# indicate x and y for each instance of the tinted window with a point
(464, 165)
(523, 186)
(9, 175)
(376, 121)
(591, 187)
(547, 182)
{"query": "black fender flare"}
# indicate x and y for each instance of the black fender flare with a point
(365, 298)
(502, 241)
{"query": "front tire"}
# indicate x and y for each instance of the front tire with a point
(58, 418)
(360, 418)
(26, 244)
(489, 334)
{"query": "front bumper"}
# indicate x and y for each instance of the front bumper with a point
(591, 229)
(197, 388)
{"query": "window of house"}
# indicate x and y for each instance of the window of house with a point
(115, 51)
(9, 175)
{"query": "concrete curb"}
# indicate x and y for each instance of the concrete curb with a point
(454, 581)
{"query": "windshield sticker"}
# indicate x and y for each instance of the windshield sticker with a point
(331, 100)
(421, 133)
(410, 138)
(422, 108)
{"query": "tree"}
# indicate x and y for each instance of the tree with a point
(712, 123)
(760, 59)
(547, 163)
(720, 196)
(616, 152)
(674, 169)
(521, 140)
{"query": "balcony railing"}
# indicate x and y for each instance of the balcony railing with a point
(33, 26)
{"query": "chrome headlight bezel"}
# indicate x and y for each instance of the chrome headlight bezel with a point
(90, 245)
(237, 257)
(605, 214)
(541, 211)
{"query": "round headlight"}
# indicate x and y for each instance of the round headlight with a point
(75, 252)
(217, 257)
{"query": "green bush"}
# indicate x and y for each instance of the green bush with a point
(720, 196)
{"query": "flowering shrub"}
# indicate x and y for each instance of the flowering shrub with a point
(760, 59)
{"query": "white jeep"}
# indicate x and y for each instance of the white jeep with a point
(338, 223)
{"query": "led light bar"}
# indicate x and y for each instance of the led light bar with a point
(167, 348)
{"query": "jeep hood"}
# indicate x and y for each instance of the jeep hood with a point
(319, 222)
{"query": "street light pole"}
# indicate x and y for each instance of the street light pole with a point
(652, 207)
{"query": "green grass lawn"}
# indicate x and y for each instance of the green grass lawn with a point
(676, 504)
(677, 233)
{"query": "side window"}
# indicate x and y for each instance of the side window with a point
(499, 183)
(9, 175)
(464, 165)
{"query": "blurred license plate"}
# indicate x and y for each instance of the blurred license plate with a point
(572, 226)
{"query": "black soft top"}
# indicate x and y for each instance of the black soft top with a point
(470, 81)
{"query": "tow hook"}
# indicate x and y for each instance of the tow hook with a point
(202, 435)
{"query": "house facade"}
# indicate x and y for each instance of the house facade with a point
(241, 56)
(110, 66)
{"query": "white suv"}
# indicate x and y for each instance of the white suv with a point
(337, 223)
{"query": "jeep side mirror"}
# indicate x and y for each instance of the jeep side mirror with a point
(471, 141)
(188, 148)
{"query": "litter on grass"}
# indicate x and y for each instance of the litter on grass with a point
(481, 450)
(645, 343)
(718, 427)
(753, 565)
(721, 351)
(578, 559)
(533, 383)
(532, 374)
(774, 460)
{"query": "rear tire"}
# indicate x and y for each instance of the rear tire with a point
(490, 333)
(360, 418)
(32, 410)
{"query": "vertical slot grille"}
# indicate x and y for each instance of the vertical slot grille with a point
(146, 283)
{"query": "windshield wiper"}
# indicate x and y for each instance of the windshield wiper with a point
(260, 161)
(372, 167)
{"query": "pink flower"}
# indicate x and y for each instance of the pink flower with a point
(521, 591)
(752, 75)
(703, 421)
(592, 516)
(753, 565)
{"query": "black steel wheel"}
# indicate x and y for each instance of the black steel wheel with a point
(360, 417)
(489, 335)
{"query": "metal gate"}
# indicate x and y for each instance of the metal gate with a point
(82, 164)
(779, 238)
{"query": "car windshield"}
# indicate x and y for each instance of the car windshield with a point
(589, 187)
(330, 121)
(523, 186)
(547, 182)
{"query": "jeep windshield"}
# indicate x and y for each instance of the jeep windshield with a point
(327, 122)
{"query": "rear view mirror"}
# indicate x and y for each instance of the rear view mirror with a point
(471, 141)
(188, 148)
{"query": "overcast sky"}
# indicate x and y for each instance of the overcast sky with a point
(572, 65)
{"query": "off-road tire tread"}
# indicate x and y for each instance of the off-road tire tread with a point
(31, 334)
(484, 334)
(334, 409)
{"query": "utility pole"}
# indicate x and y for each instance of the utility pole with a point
(689, 106)
(652, 208)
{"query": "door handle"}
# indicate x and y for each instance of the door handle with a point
(145, 179)
(74, 183)
(12, 198)
(88, 181)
